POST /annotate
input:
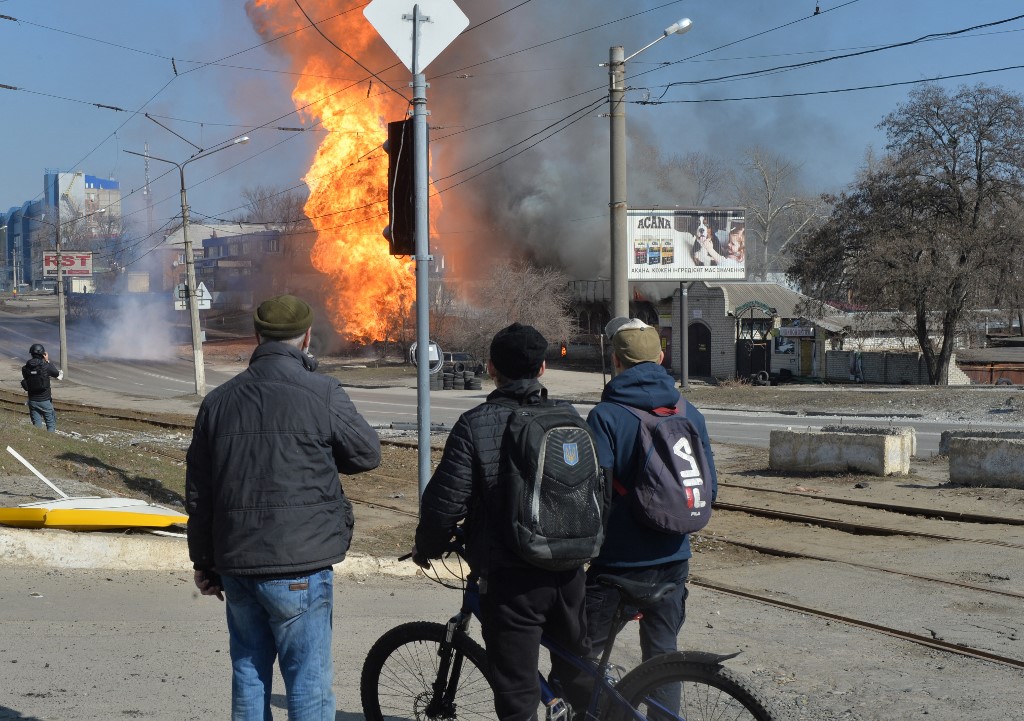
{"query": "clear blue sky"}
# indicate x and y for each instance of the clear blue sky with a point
(66, 55)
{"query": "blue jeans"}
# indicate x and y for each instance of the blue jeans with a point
(291, 619)
(659, 627)
(42, 411)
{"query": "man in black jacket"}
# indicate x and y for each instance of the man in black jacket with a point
(268, 517)
(518, 601)
(35, 379)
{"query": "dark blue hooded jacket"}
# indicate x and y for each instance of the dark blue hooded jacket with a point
(645, 386)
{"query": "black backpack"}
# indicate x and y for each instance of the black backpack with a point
(555, 494)
(670, 487)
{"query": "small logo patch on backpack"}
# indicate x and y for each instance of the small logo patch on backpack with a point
(571, 453)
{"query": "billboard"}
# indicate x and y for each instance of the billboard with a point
(73, 262)
(686, 244)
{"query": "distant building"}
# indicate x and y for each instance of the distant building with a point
(19, 227)
(89, 196)
(236, 260)
(27, 231)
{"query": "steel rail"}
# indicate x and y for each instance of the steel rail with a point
(850, 527)
(783, 553)
(941, 514)
(930, 642)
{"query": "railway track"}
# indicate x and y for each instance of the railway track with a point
(853, 527)
(940, 514)
(12, 401)
(783, 553)
(919, 639)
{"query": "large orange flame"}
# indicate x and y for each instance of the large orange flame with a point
(370, 289)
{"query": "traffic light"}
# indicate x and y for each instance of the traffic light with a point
(401, 230)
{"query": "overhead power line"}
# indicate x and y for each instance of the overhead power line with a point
(832, 91)
(845, 56)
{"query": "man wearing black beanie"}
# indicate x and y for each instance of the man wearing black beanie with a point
(518, 601)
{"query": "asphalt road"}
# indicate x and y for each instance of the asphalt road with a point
(742, 427)
(124, 362)
(130, 365)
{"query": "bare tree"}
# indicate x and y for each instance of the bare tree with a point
(777, 213)
(921, 231)
(284, 212)
(514, 292)
(707, 175)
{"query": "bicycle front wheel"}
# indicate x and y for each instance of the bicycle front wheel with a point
(406, 675)
(672, 687)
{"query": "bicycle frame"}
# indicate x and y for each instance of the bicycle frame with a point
(436, 672)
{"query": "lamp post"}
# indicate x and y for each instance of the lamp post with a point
(190, 264)
(61, 305)
(618, 199)
(3, 244)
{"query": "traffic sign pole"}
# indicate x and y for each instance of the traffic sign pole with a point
(435, 23)
(420, 161)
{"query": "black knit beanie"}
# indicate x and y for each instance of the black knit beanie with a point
(518, 351)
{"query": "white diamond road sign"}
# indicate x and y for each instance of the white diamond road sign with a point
(441, 22)
(203, 297)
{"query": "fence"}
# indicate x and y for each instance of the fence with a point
(885, 367)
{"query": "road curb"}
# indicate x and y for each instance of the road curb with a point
(53, 548)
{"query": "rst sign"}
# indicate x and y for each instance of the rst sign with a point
(73, 263)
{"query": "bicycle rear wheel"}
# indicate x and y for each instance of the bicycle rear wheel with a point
(402, 678)
(672, 687)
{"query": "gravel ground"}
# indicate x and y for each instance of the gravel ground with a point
(812, 668)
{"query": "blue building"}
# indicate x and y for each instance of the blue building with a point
(27, 231)
(19, 227)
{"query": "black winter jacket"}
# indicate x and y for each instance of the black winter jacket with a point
(262, 488)
(43, 371)
(464, 485)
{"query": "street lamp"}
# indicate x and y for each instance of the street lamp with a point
(190, 263)
(61, 305)
(617, 201)
(4, 246)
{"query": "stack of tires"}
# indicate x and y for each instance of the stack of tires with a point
(455, 380)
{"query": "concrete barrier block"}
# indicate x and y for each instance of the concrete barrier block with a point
(987, 462)
(819, 452)
(908, 434)
(947, 436)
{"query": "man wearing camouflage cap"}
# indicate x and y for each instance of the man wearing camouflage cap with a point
(268, 517)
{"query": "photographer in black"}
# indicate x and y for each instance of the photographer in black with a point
(35, 379)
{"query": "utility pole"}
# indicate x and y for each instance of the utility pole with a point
(617, 200)
(190, 262)
(193, 300)
(61, 317)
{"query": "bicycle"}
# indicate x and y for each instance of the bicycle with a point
(431, 671)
